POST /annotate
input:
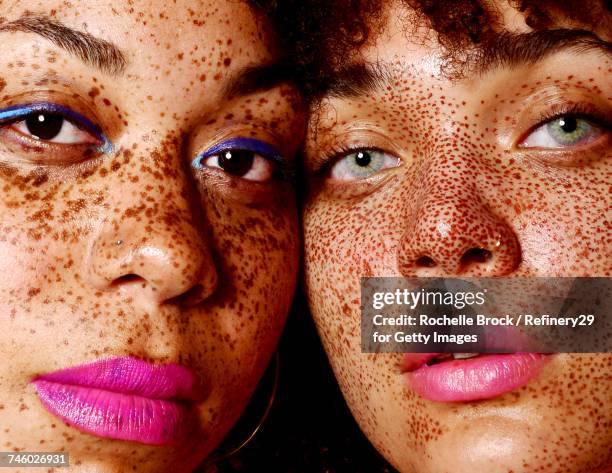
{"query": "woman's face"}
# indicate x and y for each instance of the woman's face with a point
(145, 214)
(420, 172)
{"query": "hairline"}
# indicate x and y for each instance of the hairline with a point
(506, 50)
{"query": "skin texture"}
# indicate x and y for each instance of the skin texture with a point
(457, 180)
(133, 253)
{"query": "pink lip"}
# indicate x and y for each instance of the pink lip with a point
(122, 398)
(483, 377)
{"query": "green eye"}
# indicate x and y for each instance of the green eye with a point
(361, 164)
(563, 132)
(569, 130)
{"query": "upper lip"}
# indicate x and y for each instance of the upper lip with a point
(129, 375)
(413, 361)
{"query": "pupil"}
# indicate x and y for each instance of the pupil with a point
(363, 158)
(44, 126)
(237, 162)
(568, 124)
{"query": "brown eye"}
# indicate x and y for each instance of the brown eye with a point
(240, 163)
(247, 158)
(44, 126)
(236, 162)
(53, 128)
(51, 123)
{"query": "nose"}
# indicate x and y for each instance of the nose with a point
(151, 243)
(452, 232)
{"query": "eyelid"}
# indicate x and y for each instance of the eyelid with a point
(584, 108)
(15, 112)
(594, 121)
(355, 136)
(592, 117)
(249, 144)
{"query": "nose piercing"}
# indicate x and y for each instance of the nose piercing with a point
(119, 242)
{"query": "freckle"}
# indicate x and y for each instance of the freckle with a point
(202, 77)
(106, 102)
(94, 92)
(227, 61)
(40, 180)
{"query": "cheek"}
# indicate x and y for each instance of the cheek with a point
(338, 251)
(34, 233)
(14, 261)
(563, 231)
(43, 227)
(549, 242)
(256, 250)
(344, 240)
(353, 238)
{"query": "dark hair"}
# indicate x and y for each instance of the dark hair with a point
(322, 34)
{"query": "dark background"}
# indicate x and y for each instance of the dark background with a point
(310, 428)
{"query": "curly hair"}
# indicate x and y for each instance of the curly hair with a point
(322, 34)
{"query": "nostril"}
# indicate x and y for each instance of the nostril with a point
(193, 296)
(127, 278)
(475, 255)
(425, 262)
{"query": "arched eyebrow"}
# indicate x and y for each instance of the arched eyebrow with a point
(95, 51)
(505, 50)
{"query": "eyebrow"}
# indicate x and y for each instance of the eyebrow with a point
(505, 50)
(95, 51)
(510, 49)
(251, 79)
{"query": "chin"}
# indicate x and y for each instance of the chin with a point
(489, 445)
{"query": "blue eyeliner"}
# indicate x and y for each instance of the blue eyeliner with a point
(21, 111)
(246, 144)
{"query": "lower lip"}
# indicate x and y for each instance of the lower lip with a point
(115, 415)
(483, 377)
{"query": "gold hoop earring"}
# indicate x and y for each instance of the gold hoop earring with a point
(209, 465)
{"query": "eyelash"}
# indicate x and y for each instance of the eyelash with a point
(578, 110)
(17, 113)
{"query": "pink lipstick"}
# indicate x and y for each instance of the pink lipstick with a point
(122, 398)
(471, 377)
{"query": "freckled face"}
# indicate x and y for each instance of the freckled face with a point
(143, 213)
(418, 176)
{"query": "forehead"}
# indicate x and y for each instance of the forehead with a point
(406, 44)
(408, 32)
(156, 33)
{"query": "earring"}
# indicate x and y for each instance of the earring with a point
(209, 465)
